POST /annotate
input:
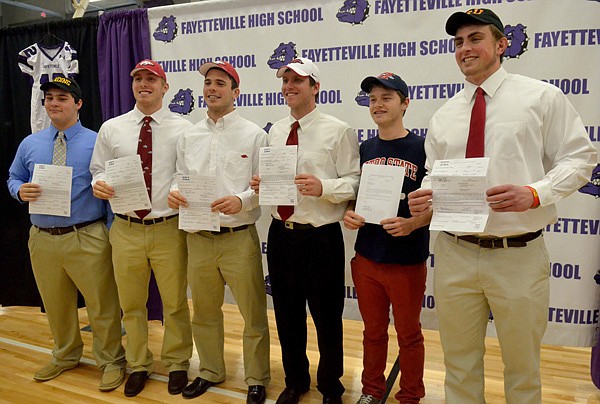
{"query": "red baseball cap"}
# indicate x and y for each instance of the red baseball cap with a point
(220, 64)
(151, 66)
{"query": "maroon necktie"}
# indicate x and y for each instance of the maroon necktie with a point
(475, 144)
(145, 152)
(286, 211)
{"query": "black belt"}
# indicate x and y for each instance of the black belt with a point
(225, 230)
(499, 242)
(293, 225)
(145, 221)
(57, 231)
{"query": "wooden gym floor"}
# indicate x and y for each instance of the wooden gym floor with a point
(26, 343)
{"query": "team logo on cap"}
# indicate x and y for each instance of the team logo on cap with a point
(353, 11)
(386, 76)
(517, 41)
(62, 80)
(282, 55)
(166, 30)
(183, 102)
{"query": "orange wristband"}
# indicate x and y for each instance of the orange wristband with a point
(536, 197)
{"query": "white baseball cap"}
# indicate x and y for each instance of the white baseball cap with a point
(303, 67)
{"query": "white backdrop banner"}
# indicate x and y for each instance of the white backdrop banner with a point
(553, 40)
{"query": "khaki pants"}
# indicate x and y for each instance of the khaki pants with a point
(513, 283)
(233, 259)
(78, 260)
(137, 249)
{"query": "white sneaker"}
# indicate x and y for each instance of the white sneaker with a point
(368, 399)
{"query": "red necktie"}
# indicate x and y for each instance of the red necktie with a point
(475, 144)
(286, 211)
(145, 152)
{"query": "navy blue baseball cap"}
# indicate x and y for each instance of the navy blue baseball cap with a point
(473, 16)
(386, 79)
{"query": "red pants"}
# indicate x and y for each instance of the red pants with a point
(378, 285)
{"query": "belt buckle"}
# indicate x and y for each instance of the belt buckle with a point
(491, 243)
(289, 225)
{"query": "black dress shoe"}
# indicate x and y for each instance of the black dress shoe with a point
(256, 395)
(332, 400)
(290, 395)
(197, 387)
(135, 383)
(177, 381)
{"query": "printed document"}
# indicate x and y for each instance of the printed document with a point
(200, 191)
(125, 175)
(55, 182)
(459, 187)
(277, 170)
(379, 192)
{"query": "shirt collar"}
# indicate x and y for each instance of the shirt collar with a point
(156, 116)
(70, 132)
(223, 122)
(490, 86)
(306, 120)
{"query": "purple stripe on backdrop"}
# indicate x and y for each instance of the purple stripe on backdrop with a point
(123, 40)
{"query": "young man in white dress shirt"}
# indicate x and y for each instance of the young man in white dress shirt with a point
(305, 251)
(539, 153)
(142, 242)
(226, 146)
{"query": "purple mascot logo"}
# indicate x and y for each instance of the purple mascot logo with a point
(517, 41)
(593, 187)
(183, 102)
(362, 99)
(166, 30)
(353, 11)
(267, 127)
(282, 55)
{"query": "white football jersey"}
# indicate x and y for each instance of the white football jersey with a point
(44, 63)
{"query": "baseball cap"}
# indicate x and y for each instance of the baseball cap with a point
(474, 15)
(303, 67)
(63, 83)
(386, 79)
(151, 66)
(220, 64)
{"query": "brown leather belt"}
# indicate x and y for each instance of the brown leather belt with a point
(224, 230)
(145, 222)
(57, 231)
(500, 242)
(293, 225)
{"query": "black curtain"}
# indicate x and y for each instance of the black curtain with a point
(17, 285)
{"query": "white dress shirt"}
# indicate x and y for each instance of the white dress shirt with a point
(327, 149)
(118, 137)
(229, 150)
(533, 137)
